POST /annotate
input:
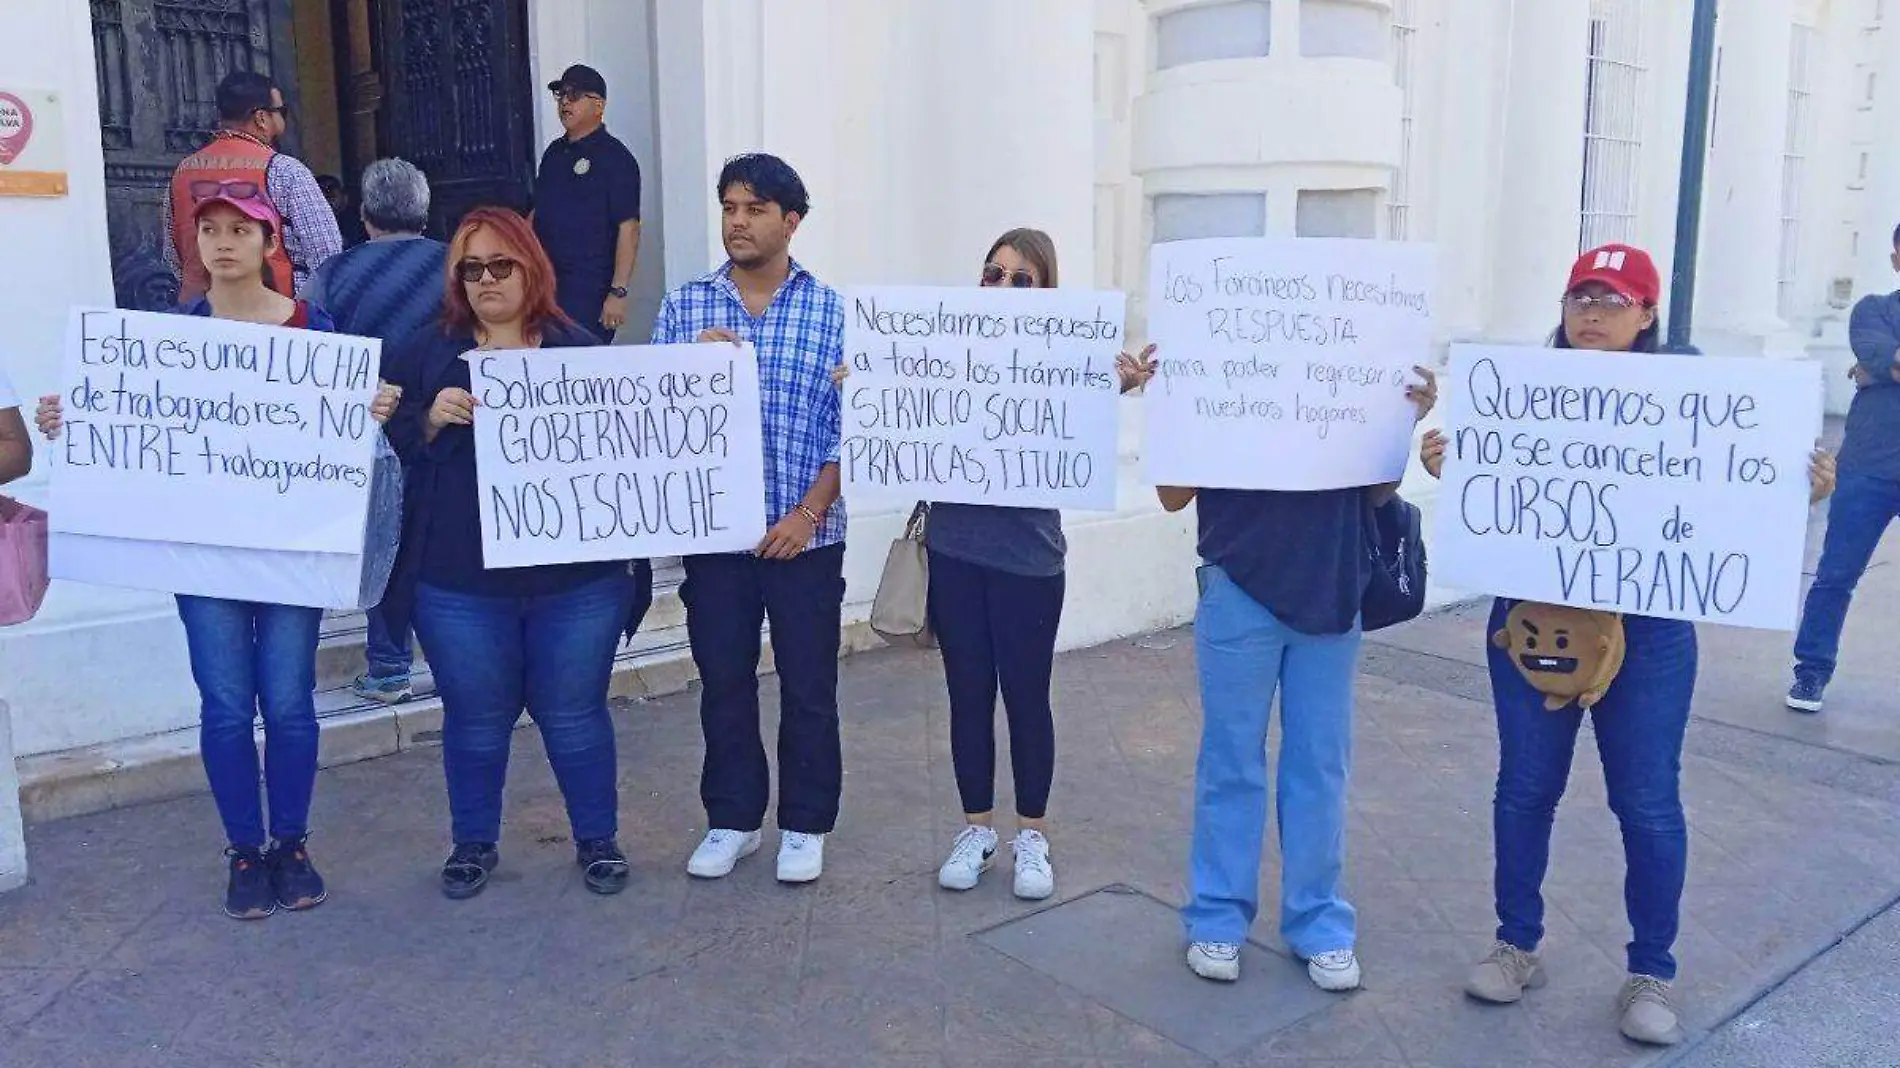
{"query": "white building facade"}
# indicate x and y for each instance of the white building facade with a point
(1510, 133)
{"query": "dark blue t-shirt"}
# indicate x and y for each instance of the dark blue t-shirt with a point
(1302, 556)
(584, 191)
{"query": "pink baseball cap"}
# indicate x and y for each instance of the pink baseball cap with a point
(244, 196)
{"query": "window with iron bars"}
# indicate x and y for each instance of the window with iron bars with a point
(1794, 164)
(1613, 123)
(1404, 71)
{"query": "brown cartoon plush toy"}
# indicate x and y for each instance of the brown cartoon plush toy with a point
(1566, 654)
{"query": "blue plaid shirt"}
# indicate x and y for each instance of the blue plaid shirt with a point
(799, 339)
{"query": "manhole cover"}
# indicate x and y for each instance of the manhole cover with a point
(1123, 948)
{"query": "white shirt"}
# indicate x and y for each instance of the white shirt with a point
(8, 398)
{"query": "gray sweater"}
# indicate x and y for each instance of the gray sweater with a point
(1872, 445)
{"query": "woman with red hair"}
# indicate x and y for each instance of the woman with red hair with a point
(539, 638)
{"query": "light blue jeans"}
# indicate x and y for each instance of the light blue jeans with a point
(1244, 655)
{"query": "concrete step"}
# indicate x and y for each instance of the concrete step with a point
(158, 767)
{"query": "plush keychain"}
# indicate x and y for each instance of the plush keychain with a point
(1566, 654)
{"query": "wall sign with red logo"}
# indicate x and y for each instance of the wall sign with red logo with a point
(32, 143)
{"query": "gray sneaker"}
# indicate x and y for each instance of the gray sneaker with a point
(1504, 974)
(1649, 1012)
(388, 690)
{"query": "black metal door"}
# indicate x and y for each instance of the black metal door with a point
(158, 64)
(458, 100)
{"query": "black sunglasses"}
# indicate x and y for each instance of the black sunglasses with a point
(574, 96)
(499, 268)
(993, 275)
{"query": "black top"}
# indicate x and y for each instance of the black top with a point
(442, 523)
(585, 190)
(1301, 555)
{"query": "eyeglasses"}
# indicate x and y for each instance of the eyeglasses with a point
(993, 275)
(575, 96)
(282, 111)
(207, 188)
(499, 268)
(1583, 302)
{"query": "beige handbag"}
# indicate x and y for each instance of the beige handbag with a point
(901, 611)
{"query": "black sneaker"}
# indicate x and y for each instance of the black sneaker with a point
(1805, 694)
(292, 877)
(603, 865)
(249, 896)
(465, 873)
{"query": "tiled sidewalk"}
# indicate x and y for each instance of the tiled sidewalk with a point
(117, 954)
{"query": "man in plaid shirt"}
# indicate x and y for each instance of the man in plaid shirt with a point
(795, 576)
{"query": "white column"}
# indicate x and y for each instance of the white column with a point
(1736, 290)
(12, 833)
(1873, 272)
(1540, 165)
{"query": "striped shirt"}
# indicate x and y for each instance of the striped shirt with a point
(798, 340)
(387, 288)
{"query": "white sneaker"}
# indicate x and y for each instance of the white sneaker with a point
(1219, 961)
(1035, 879)
(1334, 971)
(970, 856)
(801, 857)
(715, 857)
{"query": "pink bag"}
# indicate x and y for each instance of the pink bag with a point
(22, 561)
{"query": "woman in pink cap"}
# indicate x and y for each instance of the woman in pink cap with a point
(249, 658)
(1609, 305)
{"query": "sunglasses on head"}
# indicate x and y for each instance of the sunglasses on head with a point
(1583, 302)
(237, 190)
(499, 268)
(994, 274)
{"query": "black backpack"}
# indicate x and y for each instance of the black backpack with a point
(1395, 543)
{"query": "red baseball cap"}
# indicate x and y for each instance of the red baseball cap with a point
(1624, 268)
(253, 206)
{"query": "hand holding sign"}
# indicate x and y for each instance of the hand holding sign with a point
(1666, 486)
(983, 395)
(1302, 351)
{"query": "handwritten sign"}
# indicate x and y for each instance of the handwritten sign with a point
(1672, 486)
(982, 396)
(617, 453)
(211, 432)
(1284, 362)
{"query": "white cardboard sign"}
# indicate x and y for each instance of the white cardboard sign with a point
(1284, 361)
(201, 431)
(617, 452)
(1657, 485)
(981, 396)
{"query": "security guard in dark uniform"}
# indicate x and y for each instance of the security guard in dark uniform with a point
(587, 206)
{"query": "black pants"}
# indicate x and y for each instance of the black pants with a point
(727, 597)
(997, 629)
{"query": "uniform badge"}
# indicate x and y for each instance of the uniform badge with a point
(583, 165)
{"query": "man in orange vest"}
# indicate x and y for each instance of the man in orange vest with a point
(241, 161)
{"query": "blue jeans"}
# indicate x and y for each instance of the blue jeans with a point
(387, 650)
(1639, 728)
(247, 659)
(1244, 654)
(553, 655)
(1857, 517)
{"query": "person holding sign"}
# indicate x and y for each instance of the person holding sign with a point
(540, 638)
(248, 658)
(1281, 583)
(1640, 711)
(996, 589)
(795, 577)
